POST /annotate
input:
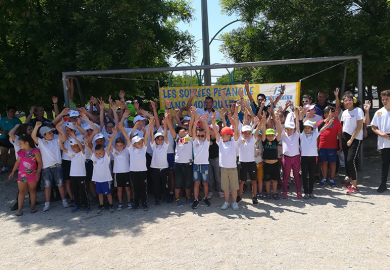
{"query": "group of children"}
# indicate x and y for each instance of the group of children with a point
(93, 157)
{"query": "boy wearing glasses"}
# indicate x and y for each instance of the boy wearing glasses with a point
(307, 100)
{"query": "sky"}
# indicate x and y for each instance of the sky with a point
(217, 20)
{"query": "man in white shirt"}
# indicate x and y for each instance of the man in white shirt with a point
(208, 106)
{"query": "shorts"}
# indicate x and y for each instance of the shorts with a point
(183, 175)
(201, 173)
(4, 142)
(66, 169)
(122, 180)
(260, 172)
(329, 155)
(103, 188)
(229, 179)
(171, 161)
(271, 171)
(88, 169)
(248, 168)
(52, 176)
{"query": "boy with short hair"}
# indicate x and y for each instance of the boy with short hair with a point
(201, 146)
(381, 127)
(51, 159)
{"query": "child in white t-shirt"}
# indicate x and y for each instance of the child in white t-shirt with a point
(121, 168)
(101, 173)
(228, 143)
(201, 146)
(138, 171)
(381, 127)
(77, 172)
(51, 159)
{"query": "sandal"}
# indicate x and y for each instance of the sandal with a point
(268, 196)
(19, 213)
(33, 210)
(275, 196)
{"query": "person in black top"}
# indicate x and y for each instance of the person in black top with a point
(321, 101)
(214, 170)
(270, 157)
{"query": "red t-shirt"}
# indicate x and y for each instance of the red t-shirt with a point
(328, 139)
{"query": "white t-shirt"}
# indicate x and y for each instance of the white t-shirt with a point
(77, 165)
(247, 149)
(121, 160)
(68, 147)
(140, 133)
(259, 151)
(50, 151)
(171, 148)
(349, 119)
(101, 169)
(314, 119)
(159, 158)
(137, 158)
(290, 144)
(106, 134)
(16, 145)
(203, 111)
(309, 143)
(382, 121)
(183, 152)
(227, 153)
(201, 151)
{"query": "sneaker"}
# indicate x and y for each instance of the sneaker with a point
(238, 199)
(352, 190)
(348, 185)
(195, 204)
(156, 202)
(323, 182)
(311, 196)
(86, 210)
(284, 195)
(210, 195)
(170, 199)
(75, 209)
(190, 201)
(120, 207)
(206, 202)
(299, 195)
(254, 200)
(71, 203)
(65, 204)
(178, 203)
(235, 206)
(221, 194)
(382, 188)
(100, 209)
(112, 208)
(346, 179)
(129, 205)
(306, 197)
(14, 207)
(260, 195)
(225, 206)
(4, 171)
(47, 207)
(332, 182)
(145, 206)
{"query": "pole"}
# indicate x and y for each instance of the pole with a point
(344, 79)
(66, 95)
(361, 98)
(205, 40)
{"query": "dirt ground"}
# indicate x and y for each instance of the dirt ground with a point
(335, 231)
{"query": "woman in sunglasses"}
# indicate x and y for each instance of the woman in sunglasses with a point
(352, 136)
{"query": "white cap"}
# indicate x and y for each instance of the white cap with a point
(158, 134)
(98, 136)
(73, 113)
(309, 107)
(187, 118)
(86, 126)
(70, 125)
(73, 142)
(44, 130)
(246, 128)
(138, 118)
(289, 122)
(94, 108)
(136, 139)
(309, 123)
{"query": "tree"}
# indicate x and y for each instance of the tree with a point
(39, 39)
(292, 29)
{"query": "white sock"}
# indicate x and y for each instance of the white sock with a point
(64, 200)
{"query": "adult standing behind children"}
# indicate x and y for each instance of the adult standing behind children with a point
(208, 106)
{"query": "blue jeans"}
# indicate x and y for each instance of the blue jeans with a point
(201, 173)
(52, 176)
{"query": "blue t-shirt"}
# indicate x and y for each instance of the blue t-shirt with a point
(8, 124)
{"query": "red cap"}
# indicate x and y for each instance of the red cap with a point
(227, 131)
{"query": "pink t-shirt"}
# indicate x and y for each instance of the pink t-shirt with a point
(27, 165)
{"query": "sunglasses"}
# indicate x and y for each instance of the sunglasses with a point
(200, 136)
(348, 101)
(305, 101)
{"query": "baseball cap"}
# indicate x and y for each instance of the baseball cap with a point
(72, 142)
(138, 118)
(131, 118)
(131, 108)
(270, 131)
(73, 113)
(309, 107)
(253, 131)
(70, 125)
(94, 108)
(136, 139)
(309, 123)
(329, 108)
(246, 128)
(187, 118)
(158, 134)
(86, 126)
(161, 111)
(98, 136)
(227, 131)
(44, 130)
(211, 127)
(218, 121)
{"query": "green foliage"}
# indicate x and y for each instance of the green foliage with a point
(41, 39)
(185, 80)
(291, 29)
